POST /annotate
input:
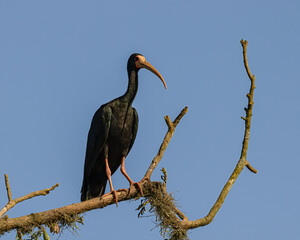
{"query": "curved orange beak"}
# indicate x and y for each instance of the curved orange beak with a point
(142, 63)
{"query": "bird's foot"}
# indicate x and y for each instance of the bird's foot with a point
(114, 194)
(138, 184)
(139, 187)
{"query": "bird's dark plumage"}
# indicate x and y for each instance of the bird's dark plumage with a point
(112, 133)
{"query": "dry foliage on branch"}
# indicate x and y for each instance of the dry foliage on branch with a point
(170, 220)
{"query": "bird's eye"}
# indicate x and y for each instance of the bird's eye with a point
(136, 58)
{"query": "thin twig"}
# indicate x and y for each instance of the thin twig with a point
(7, 187)
(252, 169)
(13, 202)
(244, 44)
(171, 128)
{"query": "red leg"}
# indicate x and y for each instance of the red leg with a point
(123, 171)
(108, 174)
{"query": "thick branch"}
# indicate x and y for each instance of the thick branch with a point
(57, 214)
(165, 143)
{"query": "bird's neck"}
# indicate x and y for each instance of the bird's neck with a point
(132, 87)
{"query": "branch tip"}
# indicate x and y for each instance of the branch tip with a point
(244, 43)
(171, 128)
(7, 187)
(169, 122)
(181, 114)
(252, 169)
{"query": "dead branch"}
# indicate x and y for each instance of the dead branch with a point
(252, 169)
(12, 202)
(165, 143)
(241, 163)
(7, 188)
(28, 222)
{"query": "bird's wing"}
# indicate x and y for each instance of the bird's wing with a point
(97, 138)
(134, 128)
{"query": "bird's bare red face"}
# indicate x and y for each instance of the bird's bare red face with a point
(140, 62)
(137, 61)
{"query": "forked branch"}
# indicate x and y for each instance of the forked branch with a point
(12, 202)
(165, 143)
(242, 161)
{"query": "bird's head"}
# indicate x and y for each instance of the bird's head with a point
(137, 61)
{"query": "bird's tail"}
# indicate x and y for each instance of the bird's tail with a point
(89, 192)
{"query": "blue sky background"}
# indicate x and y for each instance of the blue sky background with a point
(61, 60)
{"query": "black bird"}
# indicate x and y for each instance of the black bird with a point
(112, 134)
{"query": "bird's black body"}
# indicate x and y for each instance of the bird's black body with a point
(111, 136)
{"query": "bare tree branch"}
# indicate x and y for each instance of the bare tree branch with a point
(252, 169)
(249, 108)
(7, 188)
(168, 136)
(241, 163)
(12, 202)
(55, 215)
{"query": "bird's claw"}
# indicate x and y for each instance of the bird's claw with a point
(114, 193)
(139, 187)
(138, 184)
(115, 196)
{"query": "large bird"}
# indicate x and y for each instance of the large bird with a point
(112, 134)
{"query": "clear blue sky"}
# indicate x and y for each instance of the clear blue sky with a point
(61, 60)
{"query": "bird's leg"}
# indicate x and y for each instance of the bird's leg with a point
(108, 174)
(123, 171)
